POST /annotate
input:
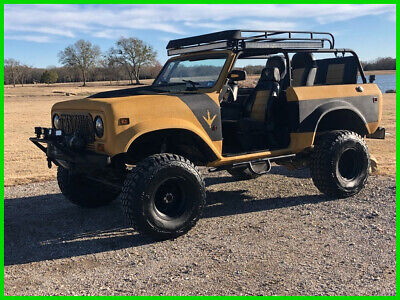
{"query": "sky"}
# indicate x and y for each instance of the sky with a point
(34, 34)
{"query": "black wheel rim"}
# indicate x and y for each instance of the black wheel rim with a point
(170, 199)
(350, 164)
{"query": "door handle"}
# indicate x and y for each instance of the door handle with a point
(359, 89)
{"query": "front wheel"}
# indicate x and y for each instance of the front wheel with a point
(163, 196)
(340, 163)
(82, 191)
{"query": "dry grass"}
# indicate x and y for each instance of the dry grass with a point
(380, 72)
(29, 106)
(385, 150)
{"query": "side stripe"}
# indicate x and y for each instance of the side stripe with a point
(207, 112)
(304, 115)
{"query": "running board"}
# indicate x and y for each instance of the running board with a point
(250, 164)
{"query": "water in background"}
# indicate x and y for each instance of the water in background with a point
(385, 82)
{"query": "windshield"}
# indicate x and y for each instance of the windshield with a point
(191, 73)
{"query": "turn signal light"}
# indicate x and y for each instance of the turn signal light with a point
(123, 121)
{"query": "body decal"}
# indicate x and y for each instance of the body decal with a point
(206, 111)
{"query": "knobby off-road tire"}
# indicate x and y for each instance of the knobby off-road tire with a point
(163, 196)
(81, 191)
(339, 164)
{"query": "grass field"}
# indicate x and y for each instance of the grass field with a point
(29, 106)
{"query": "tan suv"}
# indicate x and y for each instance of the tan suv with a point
(144, 143)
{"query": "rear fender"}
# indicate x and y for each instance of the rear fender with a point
(312, 121)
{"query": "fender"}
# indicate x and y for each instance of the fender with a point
(127, 137)
(310, 117)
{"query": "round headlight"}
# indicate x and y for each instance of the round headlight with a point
(56, 122)
(98, 126)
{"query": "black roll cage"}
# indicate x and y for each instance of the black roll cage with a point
(252, 43)
(257, 54)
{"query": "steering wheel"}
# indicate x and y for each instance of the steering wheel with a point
(227, 94)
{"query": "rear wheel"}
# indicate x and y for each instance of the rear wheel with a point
(82, 191)
(340, 163)
(163, 196)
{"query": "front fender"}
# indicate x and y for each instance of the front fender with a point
(128, 136)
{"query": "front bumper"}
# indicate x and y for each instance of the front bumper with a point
(60, 154)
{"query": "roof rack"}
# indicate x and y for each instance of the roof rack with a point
(252, 39)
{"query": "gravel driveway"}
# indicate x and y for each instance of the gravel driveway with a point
(272, 235)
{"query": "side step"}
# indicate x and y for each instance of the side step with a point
(250, 164)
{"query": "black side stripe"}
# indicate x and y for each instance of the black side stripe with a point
(305, 114)
(203, 107)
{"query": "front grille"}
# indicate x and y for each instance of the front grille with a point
(81, 125)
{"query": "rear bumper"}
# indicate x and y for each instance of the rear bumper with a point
(378, 134)
(52, 143)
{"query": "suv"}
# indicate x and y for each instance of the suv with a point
(143, 144)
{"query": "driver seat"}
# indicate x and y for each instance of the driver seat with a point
(258, 112)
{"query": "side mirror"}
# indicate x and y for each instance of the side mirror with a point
(237, 75)
(371, 78)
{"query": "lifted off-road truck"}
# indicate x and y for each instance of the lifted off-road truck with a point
(143, 144)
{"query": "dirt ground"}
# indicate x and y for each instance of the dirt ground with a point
(275, 235)
(29, 106)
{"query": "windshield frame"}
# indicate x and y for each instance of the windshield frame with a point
(227, 55)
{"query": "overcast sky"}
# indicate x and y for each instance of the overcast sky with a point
(34, 34)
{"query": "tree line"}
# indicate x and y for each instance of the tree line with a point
(130, 59)
(381, 63)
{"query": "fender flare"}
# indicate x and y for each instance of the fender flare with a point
(173, 124)
(311, 122)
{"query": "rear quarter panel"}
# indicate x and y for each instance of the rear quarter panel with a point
(308, 104)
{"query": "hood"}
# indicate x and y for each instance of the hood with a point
(105, 100)
(147, 90)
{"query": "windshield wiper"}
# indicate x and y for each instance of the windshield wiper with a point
(193, 83)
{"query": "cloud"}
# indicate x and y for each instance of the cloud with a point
(110, 33)
(45, 30)
(110, 20)
(29, 38)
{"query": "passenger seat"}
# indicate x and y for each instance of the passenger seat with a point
(304, 69)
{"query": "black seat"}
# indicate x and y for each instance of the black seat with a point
(267, 86)
(258, 114)
(304, 69)
(279, 62)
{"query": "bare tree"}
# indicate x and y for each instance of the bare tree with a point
(82, 55)
(111, 64)
(10, 69)
(22, 72)
(133, 54)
